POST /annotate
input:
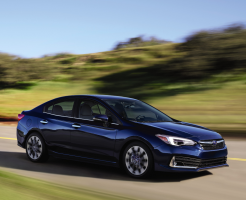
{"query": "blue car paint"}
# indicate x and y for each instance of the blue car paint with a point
(111, 140)
(186, 130)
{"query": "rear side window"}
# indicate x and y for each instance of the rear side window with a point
(63, 108)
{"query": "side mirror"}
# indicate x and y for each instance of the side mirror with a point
(103, 118)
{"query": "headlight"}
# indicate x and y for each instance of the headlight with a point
(176, 141)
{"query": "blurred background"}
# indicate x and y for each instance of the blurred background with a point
(186, 58)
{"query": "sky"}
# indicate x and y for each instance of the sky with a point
(32, 28)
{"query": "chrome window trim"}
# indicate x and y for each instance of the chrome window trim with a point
(58, 115)
(74, 117)
(84, 119)
(67, 116)
(114, 123)
(96, 119)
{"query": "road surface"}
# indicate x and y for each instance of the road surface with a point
(223, 183)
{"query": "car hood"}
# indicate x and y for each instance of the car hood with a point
(185, 130)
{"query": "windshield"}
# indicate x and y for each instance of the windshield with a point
(139, 111)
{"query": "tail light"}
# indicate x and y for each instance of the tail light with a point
(20, 116)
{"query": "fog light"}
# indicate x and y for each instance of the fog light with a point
(173, 163)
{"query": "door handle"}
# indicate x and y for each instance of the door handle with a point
(44, 121)
(76, 126)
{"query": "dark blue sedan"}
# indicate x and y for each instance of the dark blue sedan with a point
(118, 131)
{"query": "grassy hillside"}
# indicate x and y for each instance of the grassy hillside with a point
(202, 80)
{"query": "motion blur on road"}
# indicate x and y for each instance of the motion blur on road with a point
(186, 58)
(225, 183)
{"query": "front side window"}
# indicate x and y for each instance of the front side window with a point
(88, 109)
(139, 111)
(63, 108)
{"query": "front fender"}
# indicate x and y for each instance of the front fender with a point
(126, 136)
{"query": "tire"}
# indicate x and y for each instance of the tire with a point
(137, 160)
(36, 149)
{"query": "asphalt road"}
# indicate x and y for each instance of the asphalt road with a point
(223, 183)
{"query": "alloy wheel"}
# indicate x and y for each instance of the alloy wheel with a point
(34, 147)
(136, 160)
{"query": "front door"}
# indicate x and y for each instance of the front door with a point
(93, 139)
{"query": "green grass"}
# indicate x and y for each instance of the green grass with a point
(14, 101)
(224, 105)
(13, 186)
(148, 73)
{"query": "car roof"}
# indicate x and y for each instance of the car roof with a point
(102, 97)
(97, 96)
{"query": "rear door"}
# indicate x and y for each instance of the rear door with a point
(56, 123)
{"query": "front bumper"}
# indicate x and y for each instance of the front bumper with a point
(164, 157)
(208, 168)
(166, 168)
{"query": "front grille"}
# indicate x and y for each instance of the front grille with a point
(212, 144)
(184, 161)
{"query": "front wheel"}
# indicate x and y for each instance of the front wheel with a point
(35, 148)
(137, 160)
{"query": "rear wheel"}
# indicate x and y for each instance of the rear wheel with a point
(35, 148)
(137, 160)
